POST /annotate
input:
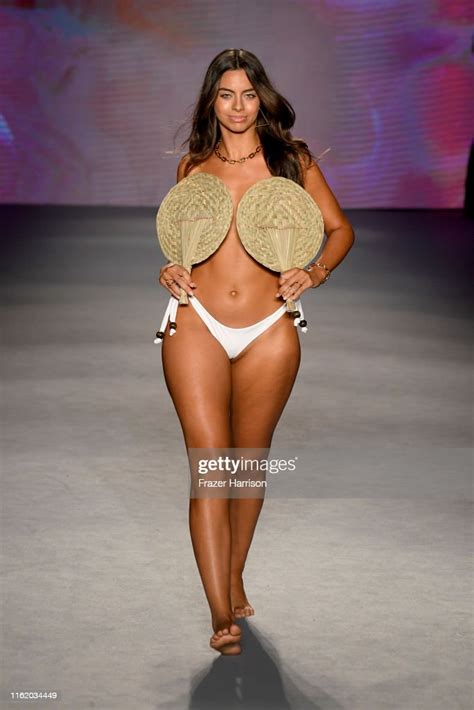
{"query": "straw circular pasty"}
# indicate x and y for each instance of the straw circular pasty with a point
(193, 219)
(280, 224)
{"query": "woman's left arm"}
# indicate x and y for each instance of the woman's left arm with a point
(339, 231)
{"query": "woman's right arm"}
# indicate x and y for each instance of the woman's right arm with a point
(172, 277)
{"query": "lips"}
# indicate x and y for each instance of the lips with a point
(238, 118)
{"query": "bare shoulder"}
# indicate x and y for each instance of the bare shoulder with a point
(310, 170)
(182, 167)
(315, 184)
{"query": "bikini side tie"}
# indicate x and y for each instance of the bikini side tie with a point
(299, 317)
(170, 312)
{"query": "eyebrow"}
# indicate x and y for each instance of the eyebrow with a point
(222, 88)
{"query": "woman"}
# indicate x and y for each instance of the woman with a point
(234, 398)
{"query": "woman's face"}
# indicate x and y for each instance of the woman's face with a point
(237, 103)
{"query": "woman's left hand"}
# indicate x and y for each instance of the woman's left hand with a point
(293, 282)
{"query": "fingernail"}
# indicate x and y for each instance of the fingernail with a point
(277, 295)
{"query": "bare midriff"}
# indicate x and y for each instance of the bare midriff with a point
(235, 288)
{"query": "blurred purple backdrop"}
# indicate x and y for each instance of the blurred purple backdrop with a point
(92, 93)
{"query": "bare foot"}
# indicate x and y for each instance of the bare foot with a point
(240, 604)
(226, 637)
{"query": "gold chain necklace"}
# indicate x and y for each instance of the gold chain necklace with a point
(240, 160)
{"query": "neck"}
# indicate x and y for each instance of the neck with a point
(238, 145)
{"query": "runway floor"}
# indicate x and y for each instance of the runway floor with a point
(362, 586)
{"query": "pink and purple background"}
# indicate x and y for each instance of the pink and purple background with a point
(92, 93)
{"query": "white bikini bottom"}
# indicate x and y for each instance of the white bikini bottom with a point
(233, 340)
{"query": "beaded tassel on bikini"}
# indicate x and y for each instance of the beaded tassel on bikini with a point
(298, 317)
(171, 311)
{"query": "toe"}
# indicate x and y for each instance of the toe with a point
(227, 640)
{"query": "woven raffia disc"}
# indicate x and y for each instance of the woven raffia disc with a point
(279, 224)
(193, 219)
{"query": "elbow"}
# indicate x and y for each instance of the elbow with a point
(350, 232)
(347, 229)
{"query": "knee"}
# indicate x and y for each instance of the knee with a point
(252, 440)
(199, 439)
(251, 433)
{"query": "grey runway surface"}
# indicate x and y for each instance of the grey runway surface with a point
(362, 589)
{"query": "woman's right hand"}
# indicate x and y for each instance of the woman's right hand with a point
(174, 276)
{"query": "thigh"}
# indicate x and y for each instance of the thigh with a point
(197, 375)
(262, 380)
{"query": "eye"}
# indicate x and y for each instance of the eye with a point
(224, 96)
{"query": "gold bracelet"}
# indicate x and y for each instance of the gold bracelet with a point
(322, 266)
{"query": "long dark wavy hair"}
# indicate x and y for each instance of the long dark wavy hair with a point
(282, 152)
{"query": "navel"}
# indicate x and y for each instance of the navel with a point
(233, 292)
